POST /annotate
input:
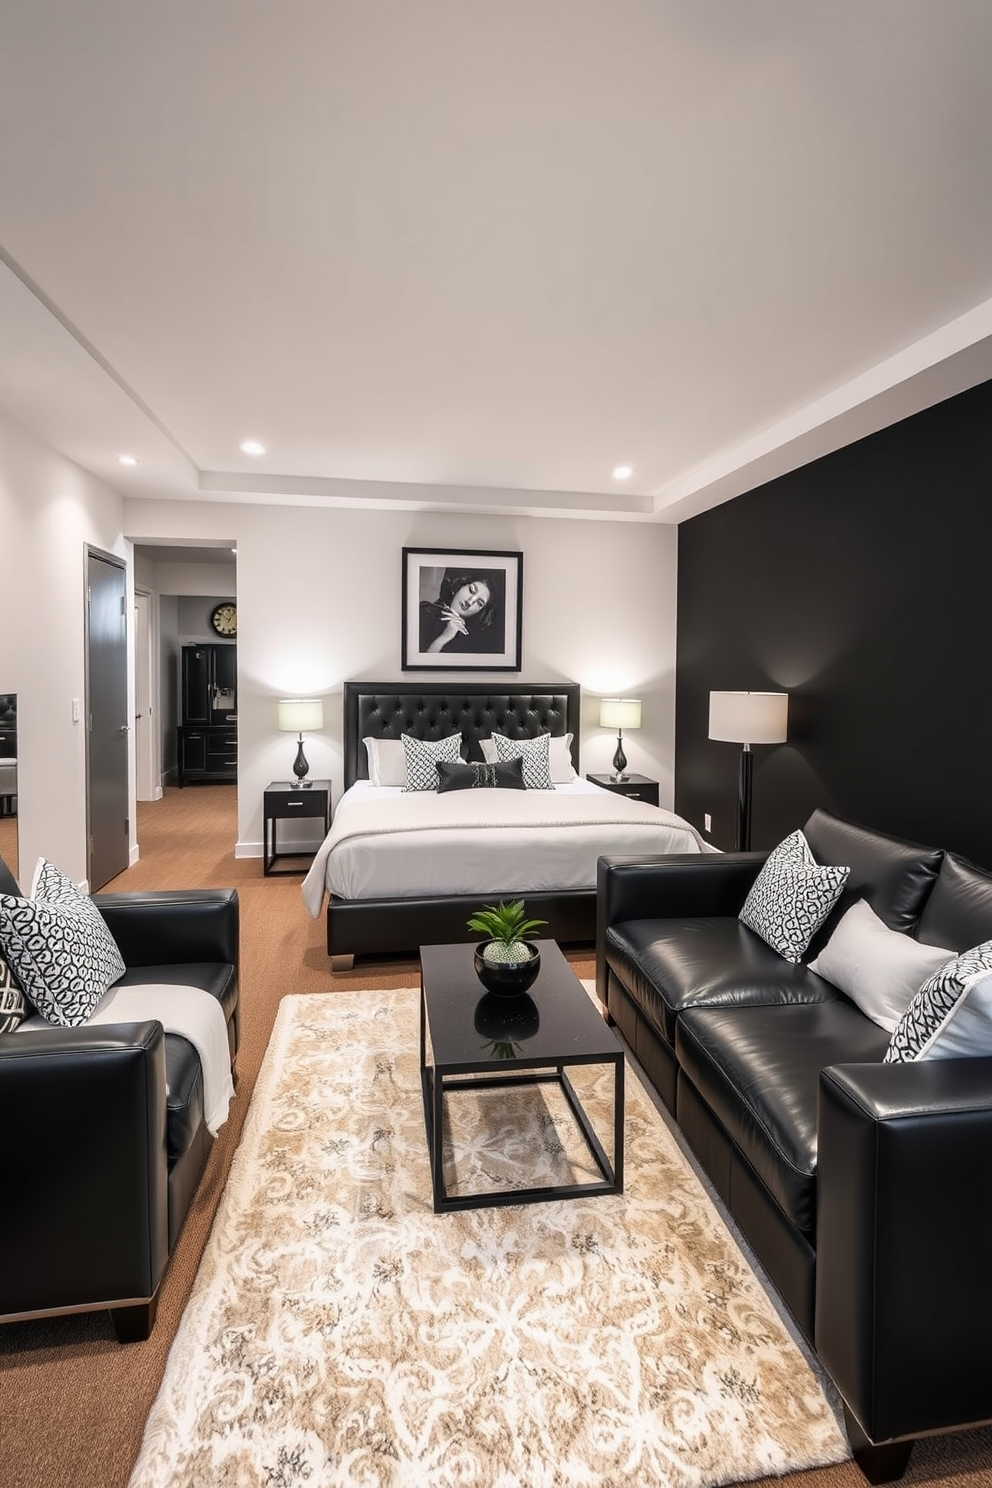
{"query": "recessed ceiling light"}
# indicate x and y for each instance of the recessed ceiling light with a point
(251, 447)
(126, 460)
(622, 472)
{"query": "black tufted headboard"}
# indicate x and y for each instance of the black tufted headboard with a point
(385, 710)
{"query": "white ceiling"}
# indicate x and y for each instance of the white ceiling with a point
(474, 253)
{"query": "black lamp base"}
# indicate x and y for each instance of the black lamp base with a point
(743, 840)
(619, 759)
(300, 768)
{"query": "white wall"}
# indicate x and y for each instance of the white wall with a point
(49, 510)
(318, 594)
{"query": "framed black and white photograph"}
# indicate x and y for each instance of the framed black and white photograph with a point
(462, 610)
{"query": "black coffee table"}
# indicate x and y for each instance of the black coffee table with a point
(553, 1027)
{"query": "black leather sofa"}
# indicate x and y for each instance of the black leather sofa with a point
(863, 1187)
(104, 1133)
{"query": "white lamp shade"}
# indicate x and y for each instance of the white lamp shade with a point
(620, 713)
(749, 717)
(301, 715)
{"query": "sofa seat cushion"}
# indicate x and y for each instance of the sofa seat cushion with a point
(670, 965)
(758, 1070)
(184, 1099)
(215, 977)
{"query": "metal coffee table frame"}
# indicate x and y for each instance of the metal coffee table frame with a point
(439, 1078)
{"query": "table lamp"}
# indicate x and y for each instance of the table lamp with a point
(620, 713)
(748, 718)
(295, 715)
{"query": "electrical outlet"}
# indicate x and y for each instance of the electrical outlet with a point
(707, 822)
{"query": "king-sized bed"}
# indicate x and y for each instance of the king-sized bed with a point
(406, 868)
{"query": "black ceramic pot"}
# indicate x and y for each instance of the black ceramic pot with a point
(504, 979)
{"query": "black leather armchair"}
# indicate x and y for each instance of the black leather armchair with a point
(105, 1139)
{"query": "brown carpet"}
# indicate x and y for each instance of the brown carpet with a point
(73, 1402)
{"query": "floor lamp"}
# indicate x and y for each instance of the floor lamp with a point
(748, 718)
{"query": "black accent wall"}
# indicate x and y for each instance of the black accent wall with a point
(861, 585)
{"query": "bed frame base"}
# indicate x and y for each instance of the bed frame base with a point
(383, 927)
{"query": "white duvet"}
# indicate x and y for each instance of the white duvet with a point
(386, 843)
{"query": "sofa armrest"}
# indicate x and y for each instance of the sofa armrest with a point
(668, 885)
(170, 926)
(82, 1167)
(904, 1236)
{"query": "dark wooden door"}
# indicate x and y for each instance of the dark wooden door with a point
(107, 719)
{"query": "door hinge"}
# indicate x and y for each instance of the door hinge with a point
(127, 825)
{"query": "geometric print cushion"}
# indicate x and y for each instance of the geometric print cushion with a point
(13, 1009)
(791, 897)
(535, 754)
(59, 948)
(422, 755)
(951, 1015)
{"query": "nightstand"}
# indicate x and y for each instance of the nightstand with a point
(285, 801)
(637, 787)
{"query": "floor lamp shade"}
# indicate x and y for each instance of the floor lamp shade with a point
(748, 718)
(296, 716)
(620, 714)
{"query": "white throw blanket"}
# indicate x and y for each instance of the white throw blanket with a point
(196, 1016)
(478, 811)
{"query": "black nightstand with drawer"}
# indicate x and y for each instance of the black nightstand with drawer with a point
(637, 787)
(285, 800)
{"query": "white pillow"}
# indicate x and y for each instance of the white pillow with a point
(58, 947)
(791, 897)
(881, 970)
(387, 761)
(559, 755)
(951, 1015)
(421, 756)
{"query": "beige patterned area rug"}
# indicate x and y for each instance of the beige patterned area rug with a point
(341, 1333)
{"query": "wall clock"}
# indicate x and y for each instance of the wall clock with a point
(224, 620)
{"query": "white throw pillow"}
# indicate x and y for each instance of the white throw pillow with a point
(421, 756)
(559, 756)
(58, 946)
(387, 761)
(791, 897)
(535, 754)
(881, 970)
(951, 1015)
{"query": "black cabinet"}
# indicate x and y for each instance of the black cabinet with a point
(208, 734)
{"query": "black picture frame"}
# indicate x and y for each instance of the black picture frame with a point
(478, 631)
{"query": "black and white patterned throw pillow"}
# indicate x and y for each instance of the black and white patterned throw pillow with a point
(951, 1015)
(791, 897)
(535, 755)
(13, 1009)
(476, 775)
(422, 755)
(59, 947)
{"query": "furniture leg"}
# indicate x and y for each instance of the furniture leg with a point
(134, 1324)
(879, 1462)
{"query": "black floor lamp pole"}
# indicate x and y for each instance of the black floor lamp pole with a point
(744, 800)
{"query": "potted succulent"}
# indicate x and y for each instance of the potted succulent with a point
(504, 962)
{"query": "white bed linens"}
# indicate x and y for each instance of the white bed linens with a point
(385, 844)
(188, 1011)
